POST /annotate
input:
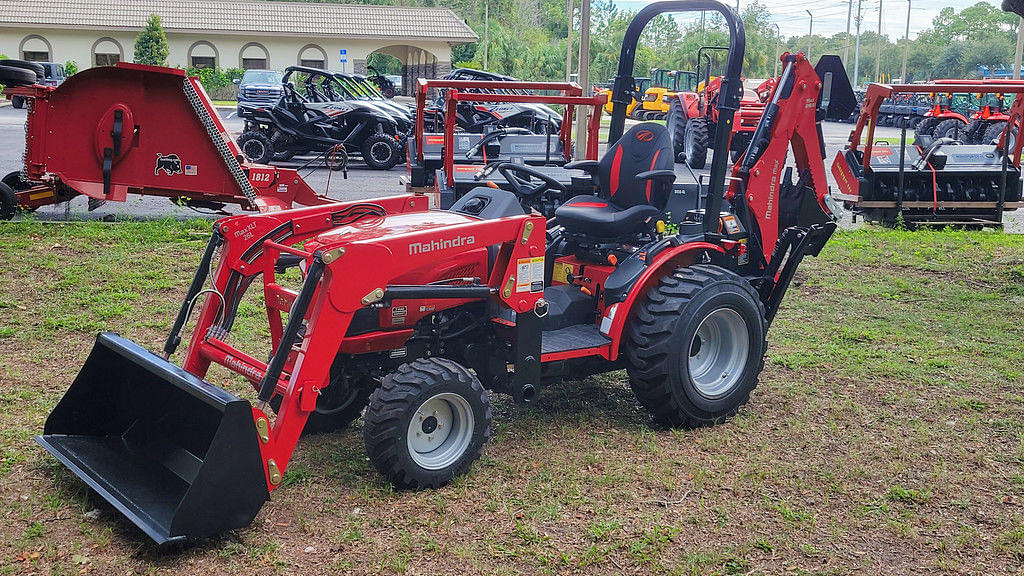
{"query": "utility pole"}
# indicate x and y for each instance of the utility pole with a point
(778, 36)
(878, 54)
(810, 34)
(568, 46)
(856, 51)
(906, 47)
(584, 81)
(846, 50)
(1020, 49)
(487, 26)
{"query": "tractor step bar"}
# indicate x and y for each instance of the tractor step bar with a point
(176, 455)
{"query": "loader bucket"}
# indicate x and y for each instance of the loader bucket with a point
(176, 455)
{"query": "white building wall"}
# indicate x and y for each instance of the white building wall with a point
(77, 46)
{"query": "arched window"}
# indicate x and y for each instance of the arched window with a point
(202, 54)
(106, 52)
(35, 48)
(254, 56)
(313, 56)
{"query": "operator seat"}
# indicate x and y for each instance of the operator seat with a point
(634, 180)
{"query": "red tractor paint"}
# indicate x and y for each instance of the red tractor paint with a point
(108, 132)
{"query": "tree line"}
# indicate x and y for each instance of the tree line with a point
(527, 39)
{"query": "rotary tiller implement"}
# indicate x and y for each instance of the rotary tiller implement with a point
(418, 313)
(933, 180)
(111, 131)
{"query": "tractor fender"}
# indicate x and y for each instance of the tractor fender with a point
(957, 115)
(666, 262)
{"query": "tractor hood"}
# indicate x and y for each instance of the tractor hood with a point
(369, 229)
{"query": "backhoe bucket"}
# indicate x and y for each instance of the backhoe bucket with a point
(837, 96)
(176, 455)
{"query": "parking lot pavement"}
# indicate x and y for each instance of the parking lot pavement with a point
(362, 182)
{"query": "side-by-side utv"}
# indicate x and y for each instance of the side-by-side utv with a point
(319, 116)
(419, 315)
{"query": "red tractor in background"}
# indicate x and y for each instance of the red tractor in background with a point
(972, 121)
(693, 116)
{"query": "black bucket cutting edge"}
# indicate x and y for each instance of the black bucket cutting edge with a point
(178, 456)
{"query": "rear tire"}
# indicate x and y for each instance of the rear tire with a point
(8, 202)
(427, 423)
(380, 151)
(696, 143)
(256, 147)
(676, 124)
(993, 132)
(926, 125)
(18, 102)
(974, 132)
(696, 346)
(951, 128)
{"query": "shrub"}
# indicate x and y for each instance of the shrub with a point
(151, 44)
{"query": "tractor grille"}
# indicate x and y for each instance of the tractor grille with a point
(218, 141)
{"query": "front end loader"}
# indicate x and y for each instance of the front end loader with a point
(418, 314)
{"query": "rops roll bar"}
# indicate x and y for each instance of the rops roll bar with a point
(728, 101)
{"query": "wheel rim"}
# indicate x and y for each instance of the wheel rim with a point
(380, 152)
(440, 431)
(688, 143)
(718, 353)
(253, 149)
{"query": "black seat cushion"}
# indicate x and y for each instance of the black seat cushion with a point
(624, 204)
(593, 216)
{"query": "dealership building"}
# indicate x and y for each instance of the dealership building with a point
(235, 34)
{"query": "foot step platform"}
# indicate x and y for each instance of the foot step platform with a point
(572, 338)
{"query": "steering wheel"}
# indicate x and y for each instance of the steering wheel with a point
(523, 187)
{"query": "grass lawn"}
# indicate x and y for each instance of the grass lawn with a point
(885, 436)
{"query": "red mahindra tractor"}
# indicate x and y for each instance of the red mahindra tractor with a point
(947, 116)
(693, 116)
(420, 314)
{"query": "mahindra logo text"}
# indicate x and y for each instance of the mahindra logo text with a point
(441, 244)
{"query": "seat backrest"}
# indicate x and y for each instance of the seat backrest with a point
(646, 146)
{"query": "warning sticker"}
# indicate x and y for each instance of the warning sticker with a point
(530, 274)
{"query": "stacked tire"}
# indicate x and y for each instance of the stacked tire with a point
(19, 73)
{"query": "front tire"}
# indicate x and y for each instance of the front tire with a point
(256, 147)
(380, 151)
(427, 423)
(696, 143)
(696, 346)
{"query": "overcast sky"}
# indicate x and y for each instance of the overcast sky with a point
(830, 15)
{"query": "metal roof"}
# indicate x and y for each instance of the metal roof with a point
(243, 17)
